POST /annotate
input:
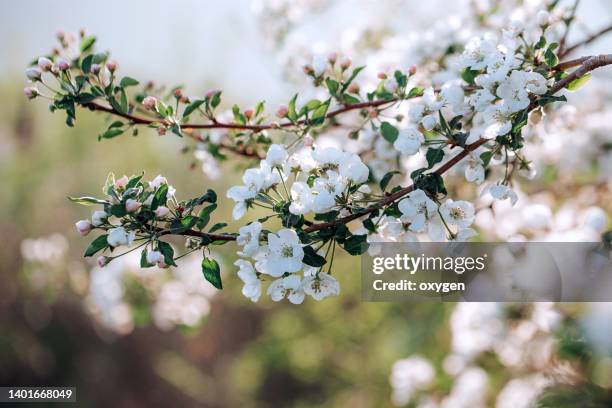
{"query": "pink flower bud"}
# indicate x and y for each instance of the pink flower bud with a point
(149, 102)
(381, 75)
(332, 58)
(63, 65)
(95, 69)
(83, 226)
(161, 131)
(308, 141)
(281, 112)
(307, 69)
(161, 211)
(249, 113)
(45, 64)
(112, 66)
(31, 92)
(353, 88)
(345, 63)
(102, 261)
(132, 205)
(412, 70)
(211, 93)
(178, 93)
(121, 183)
(61, 34)
(33, 73)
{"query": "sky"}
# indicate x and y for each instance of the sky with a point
(210, 43)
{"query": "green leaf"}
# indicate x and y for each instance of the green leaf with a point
(578, 82)
(238, 116)
(166, 249)
(354, 74)
(291, 113)
(87, 200)
(110, 133)
(469, 75)
(259, 108)
(205, 216)
(332, 86)
(160, 197)
(87, 43)
(486, 158)
(311, 257)
(86, 63)
(541, 43)
(415, 92)
(434, 156)
(389, 132)
(384, 182)
(216, 99)
(143, 259)
(96, 245)
(127, 81)
(318, 116)
(192, 107)
(356, 244)
(217, 227)
(550, 57)
(212, 273)
(188, 222)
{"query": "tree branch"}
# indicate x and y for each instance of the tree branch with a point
(586, 41)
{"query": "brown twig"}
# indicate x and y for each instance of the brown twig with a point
(586, 41)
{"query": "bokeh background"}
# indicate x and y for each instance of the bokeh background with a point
(223, 351)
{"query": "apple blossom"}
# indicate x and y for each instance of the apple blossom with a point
(161, 211)
(283, 254)
(252, 284)
(119, 236)
(132, 205)
(99, 218)
(83, 227)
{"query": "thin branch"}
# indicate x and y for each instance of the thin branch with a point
(588, 64)
(586, 41)
(568, 26)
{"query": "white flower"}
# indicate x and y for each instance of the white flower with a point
(543, 17)
(319, 64)
(240, 194)
(452, 94)
(121, 182)
(289, 287)
(161, 211)
(534, 82)
(481, 99)
(157, 182)
(417, 208)
(595, 218)
(513, 92)
(463, 235)
(474, 171)
(276, 156)
(119, 236)
(132, 205)
(328, 156)
(501, 192)
(33, 74)
(154, 257)
(98, 218)
(325, 190)
(249, 238)
(476, 52)
(353, 169)
(320, 286)
(301, 160)
(459, 213)
(45, 64)
(302, 198)
(83, 226)
(498, 121)
(252, 284)
(432, 101)
(429, 122)
(283, 253)
(409, 141)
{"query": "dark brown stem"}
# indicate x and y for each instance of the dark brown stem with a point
(586, 41)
